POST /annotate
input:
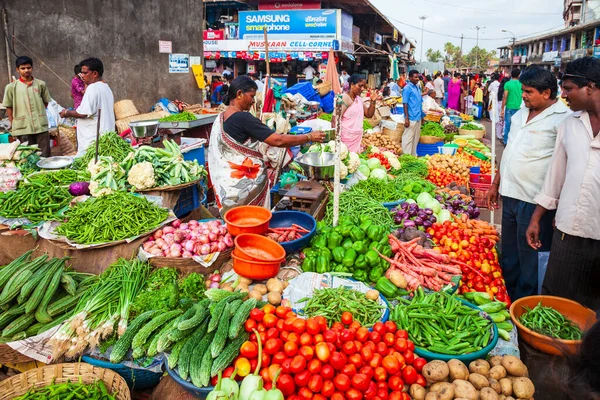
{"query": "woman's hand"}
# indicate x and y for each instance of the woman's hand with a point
(317, 136)
(373, 95)
(63, 113)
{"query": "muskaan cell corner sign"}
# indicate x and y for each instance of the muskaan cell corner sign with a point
(289, 24)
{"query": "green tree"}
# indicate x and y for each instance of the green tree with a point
(434, 55)
(453, 55)
(479, 57)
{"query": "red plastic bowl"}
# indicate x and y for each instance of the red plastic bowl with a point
(254, 269)
(258, 248)
(247, 219)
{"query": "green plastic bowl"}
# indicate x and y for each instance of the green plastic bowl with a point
(465, 358)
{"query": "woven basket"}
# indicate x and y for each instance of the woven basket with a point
(61, 373)
(324, 88)
(125, 109)
(187, 265)
(430, 139)
(8, 355)
(395, 134)
(123, 124)
(478, 134)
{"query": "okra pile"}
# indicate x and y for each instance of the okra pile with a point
(35, 202)
(69, 390)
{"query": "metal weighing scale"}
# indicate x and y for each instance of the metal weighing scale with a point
(306, 196)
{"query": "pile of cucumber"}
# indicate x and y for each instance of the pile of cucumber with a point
(37, 294)
(200, 341)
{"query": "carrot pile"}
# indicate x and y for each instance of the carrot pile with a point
(287, 234)
(476, 227)
(421, 267)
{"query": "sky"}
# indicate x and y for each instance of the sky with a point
(447, 18)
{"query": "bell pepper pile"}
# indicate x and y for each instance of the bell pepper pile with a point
(349, 248)
(476, 249)
(442, 178)
(344, 361)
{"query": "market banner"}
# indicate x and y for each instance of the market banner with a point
(294, 24)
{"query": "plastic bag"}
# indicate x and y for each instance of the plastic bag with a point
(543, 257)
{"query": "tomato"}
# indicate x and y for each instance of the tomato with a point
(409, 374)
(279, 325)
(264, 373)
(338, 360)
(337, 326)
(389, 339)
(391, 365)
(314, 366)
(272, 346)
(362, 334)
(349, 369)
(272, 333)
(279, 358)
(376, 360)
(379, 327)
(243, 366)
(401, 345)
(411, 345)
(382, 394)
(282, 311)
(354, 326)
(395, 383)
(342, 382)
(370, 345)
(400, 359)
(395, 395)
(315, 383)
(307, 352)
(331, 347)
(312, 326)
(249, 350)
(327, 371)
(380, 375)
(366, 353)
(328, 388)
(349, 348)
(261, 327)
(269, 309)
(253, 364)
(330, 336)
(356, 360)
(418, 363)
(284, 334)
(322, 322)
(250, 325)
(346, 317)
(299, 325)
(421, 380)
(305, 393)
(322, 351)
(290, 349)
(267, 385)
(270, 320)
(360, 382)
(371, 391)
(285, 366)
(358, 345)
(298, 364)
(272, 371)
(337, 396)
(306, 339)
(354, 394)
(390, 326)
(318, 338)
(375, 337)
(382, 348)
(346, 335)
(319, 397)
(288, 323)
(302, 378)
(257, 314)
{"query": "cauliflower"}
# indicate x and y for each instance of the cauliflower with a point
(315, 148)
(141, 176)
(343, 171)
(353, 162)
(94, 168)
(393, 160)
(374, 149)
(343, 151)
(96, 191)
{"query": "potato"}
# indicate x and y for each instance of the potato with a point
(458, 370)
(227, 286)
(274, 298)
(494, 384)
(260, 288)
(479, 381)
(255, 294)
(435, 371)
(514, 366)
(417, 392)
(498, 372)
(488, 394)
(465, 390)
(506, 385)
(432, 396)
(481, 367)
(274, 285)
(496, 360)
(444, 390)
(523, 388)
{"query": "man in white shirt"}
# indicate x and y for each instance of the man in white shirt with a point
(259, 84)
(394, 88)
(522, 170)
(572, 188)
(430, 103)
(309, 72)
(344, 77)
(97, 96)
(438, 85)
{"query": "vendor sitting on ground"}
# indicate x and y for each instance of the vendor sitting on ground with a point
(241, 158)
(429, 103)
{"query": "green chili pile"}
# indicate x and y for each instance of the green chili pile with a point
(110, 218)
(35, 202)
(111, 144)
(69, 390)
(331, 303)
(61, 177)
(549, 322)
(181, 117)
(405, 186)
(355, 204)
(441, 323)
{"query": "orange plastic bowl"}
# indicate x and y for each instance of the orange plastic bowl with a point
(254, 269)
(582, 316)
(258, 248)
(247, 219)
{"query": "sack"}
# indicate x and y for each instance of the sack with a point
(324, 88)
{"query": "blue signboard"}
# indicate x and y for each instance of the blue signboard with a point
(289, 24)
(597, 52)
(347, 22)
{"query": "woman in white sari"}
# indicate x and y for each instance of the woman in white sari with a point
(241, 162)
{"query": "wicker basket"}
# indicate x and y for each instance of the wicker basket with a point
(478, 134)
(430, 139)
(187, 265)
(125, 109)
(8, 355)
(60, 373)
(395, 134)
(123, 124)
(324, 88)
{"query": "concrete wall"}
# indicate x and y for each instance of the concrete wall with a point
(124, 34)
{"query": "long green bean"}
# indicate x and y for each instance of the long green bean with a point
(110, 218)
(111, 144)
(59, 177)
(69, 390)
(35, 202)
(549, 322)
(354, 204)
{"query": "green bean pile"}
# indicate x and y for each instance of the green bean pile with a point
(331, 303)
(387, 191)
(549, 322)
(354, 204)
(61, 177)
(413, 165)
(111, 218)
(111, 144)
(35, 202)
(441, 323)
(69, 390)
(181, 117)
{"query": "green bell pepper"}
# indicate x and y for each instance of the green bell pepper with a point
(387, 251)
(372, 258)
(386, 287)
(319, 241)
(349, 257)
(325, 252)
(359, 247)
(360, 275)
(361, 262)
(347, 243)
(364, 218)
(374, 245)
(338, 254)
(356, 234)
(385, 239)
(322, 264)
(364, 226)
(374, 233)
(340, 268)
(375, 274)
(334, 240)
(346, 229)
(309, 264)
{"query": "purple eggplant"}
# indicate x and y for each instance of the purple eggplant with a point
(418, 221)
(428, 211)
(427, 224)
(409, 224)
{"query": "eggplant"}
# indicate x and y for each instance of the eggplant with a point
(421, 214)
(418, 221)
(427, 224)
(409, 223)
(433, 219)
(428, 211)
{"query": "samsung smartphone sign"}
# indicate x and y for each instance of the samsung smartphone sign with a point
(301, 24)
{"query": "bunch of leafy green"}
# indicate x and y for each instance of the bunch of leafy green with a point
(160, 293)
(192, 286)
(432, 129)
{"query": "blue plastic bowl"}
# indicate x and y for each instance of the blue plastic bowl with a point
(199, 393)
(282, 219)
(393, 204)
(136, 378)
(465, 358)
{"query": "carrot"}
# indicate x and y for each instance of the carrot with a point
(478, 231)
(495, 238)
(464, 217)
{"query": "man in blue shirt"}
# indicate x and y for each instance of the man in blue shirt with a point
(413, 113)
(446, 80)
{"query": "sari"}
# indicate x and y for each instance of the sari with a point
(454, 92)
(352, 125)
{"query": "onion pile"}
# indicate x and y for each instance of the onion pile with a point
(186, 240)
(410, 215)
(458, 205)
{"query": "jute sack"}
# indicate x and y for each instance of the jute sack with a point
(393, 130)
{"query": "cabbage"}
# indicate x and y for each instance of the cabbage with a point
(423, 199)
(373, 163)
(443, 216)
(378, 173)
(410, 201)
(435, 206)
(364, 169)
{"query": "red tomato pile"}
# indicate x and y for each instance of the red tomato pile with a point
(443, 178)
(345, 361)
(475, 250)
(382, 159)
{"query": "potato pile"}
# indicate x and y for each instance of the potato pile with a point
(272, 290)
(450, 164)
(502, 378)
(382, 140)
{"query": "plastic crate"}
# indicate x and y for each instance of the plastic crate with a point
(196, 154)
(428, 149)
(479, 193)
(136, 378)
(189, 200)
(4, 137)
(306, 89)
(480, 178)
